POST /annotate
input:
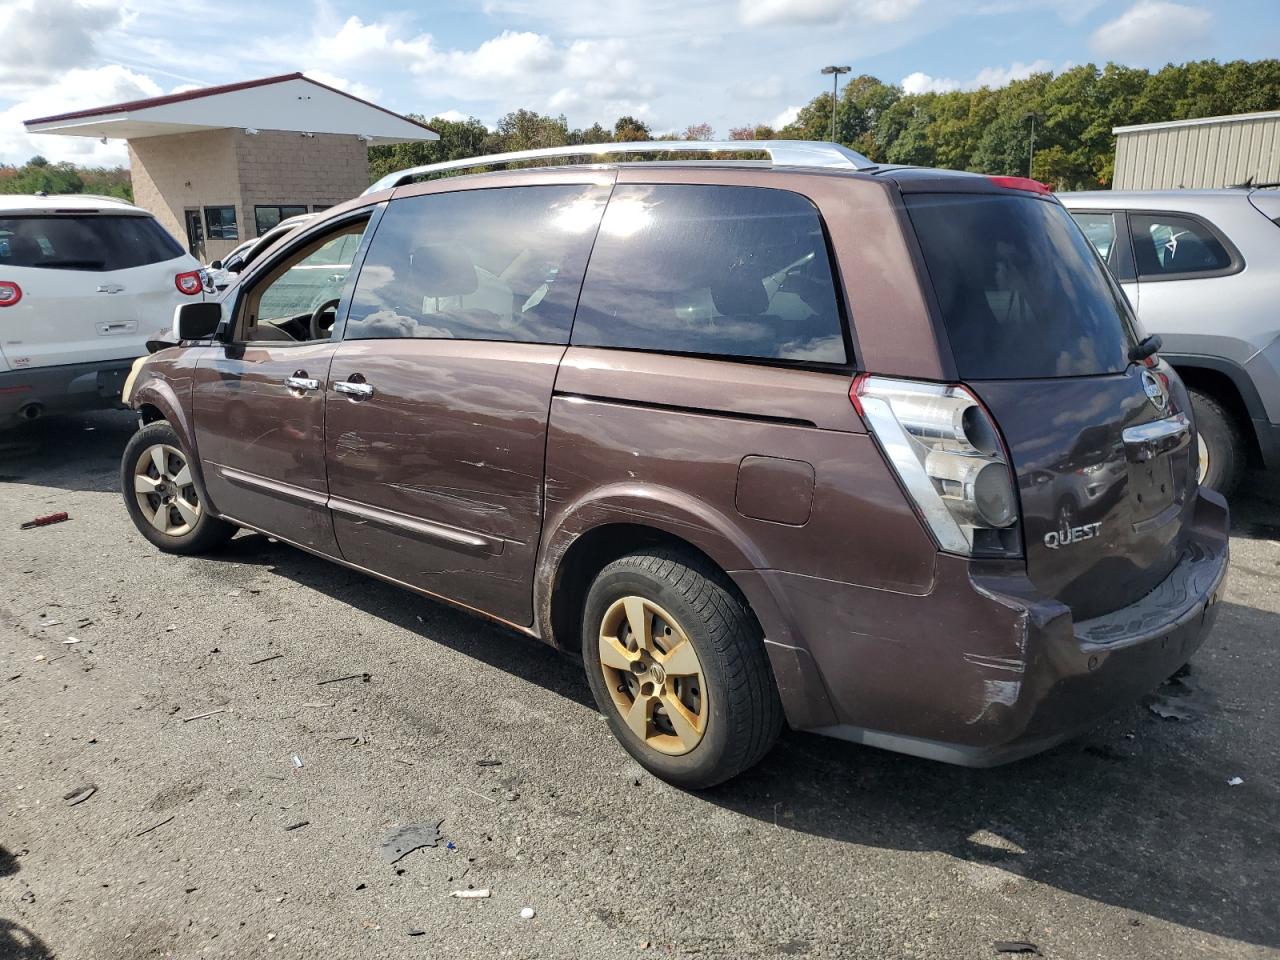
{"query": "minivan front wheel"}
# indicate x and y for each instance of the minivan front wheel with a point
(676, 662)
(162, 497)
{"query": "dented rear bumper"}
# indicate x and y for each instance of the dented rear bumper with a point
(982, 669)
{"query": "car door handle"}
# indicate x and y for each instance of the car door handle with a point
(109, 288)
(357, 391)
(301, 383)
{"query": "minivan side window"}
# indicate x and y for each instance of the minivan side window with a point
(727, 271)
(1167, 245)
(492, 264)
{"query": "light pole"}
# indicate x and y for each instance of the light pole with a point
(1031, 154)
(835, 82)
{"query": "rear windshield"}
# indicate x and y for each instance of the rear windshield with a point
(1022, 293)
(92, 242)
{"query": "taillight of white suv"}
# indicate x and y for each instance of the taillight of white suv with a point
(10, 293)
(948, 455)
(189, 283)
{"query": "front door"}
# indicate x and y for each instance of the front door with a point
(259, 400)
(439, 394)
(195, 233)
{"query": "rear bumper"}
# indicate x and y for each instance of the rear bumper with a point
(983, 670)
(61, 389)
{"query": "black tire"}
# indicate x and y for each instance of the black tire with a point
(207, 533)
(1225, 443)
(744, 714)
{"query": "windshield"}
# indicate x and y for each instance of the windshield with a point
(1021, 292)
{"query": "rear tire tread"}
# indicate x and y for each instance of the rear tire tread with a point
(756, 718)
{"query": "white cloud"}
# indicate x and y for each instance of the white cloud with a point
(457, 116)
(756, 13)
(43, 37)
(993, 77)
(76, 89)
(1152, 32)
(786, 117)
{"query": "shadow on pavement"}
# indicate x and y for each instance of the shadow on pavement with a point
(72, 452)
(19, 943)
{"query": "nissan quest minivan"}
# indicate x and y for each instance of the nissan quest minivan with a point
(875, 452)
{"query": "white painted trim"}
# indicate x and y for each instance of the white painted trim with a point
(1199, 122)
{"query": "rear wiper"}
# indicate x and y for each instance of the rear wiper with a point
(1146, 347)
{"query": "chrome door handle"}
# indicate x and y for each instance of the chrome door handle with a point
(358, 391)
(301, 383)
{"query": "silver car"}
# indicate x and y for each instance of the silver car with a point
(1202, 268)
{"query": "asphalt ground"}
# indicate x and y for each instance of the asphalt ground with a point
(1129, 842)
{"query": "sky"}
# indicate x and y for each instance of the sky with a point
(669, 62)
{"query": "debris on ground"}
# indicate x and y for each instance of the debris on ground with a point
(201, 716)
(415, 932)
(1017, 946)
(482, 894)
(364, 677)
(274, 656)
(28, 896)
(44, 521)
(72, 640)
(488, 763)
(297, 826)
(80, 794)
(404, 840)
(297, 761)
(1235, 781)
(154, 826)
(356, 739)
(527, 913)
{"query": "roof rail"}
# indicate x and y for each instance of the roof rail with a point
(782, 153)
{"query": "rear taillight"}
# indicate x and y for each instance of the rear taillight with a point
(10, 293)
(189, 283)
(1021, 183)
(949, 456)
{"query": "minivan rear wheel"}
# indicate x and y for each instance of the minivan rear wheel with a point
(677, 665)
(1221, 452)
(162, 496)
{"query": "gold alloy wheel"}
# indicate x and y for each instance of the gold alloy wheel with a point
(654, 675)
(165, 490)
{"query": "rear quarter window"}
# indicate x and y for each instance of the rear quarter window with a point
(92, 242)
(1022, 294)
(727, 271)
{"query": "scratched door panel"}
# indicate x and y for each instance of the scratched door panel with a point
(436, 477)
(262, 442)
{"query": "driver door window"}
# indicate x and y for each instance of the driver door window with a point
(297, 300)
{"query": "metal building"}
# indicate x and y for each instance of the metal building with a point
(1187, 154)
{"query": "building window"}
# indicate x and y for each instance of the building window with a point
(318, 207)
(267, 217)
(220, 222)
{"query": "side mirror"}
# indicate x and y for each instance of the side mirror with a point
(196, 321)
(234, 264)
(216, 265)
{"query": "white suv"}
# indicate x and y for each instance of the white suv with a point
(84, 282)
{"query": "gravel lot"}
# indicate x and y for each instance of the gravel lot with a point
(1127, 843)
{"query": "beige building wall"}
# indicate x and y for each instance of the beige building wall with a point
(183, 171)
(1218, 152)
(277, 167)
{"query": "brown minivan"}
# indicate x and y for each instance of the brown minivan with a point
(877, 451)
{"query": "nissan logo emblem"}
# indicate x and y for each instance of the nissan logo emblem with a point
(1154, 390)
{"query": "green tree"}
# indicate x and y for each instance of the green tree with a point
(631, 130)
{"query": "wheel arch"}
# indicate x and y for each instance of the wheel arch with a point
(582, 539)
(1230, 385)
(154, 400)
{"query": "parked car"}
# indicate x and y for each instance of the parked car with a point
(1202, 268)
(83, 282)
(223, 272)
(763, 440)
